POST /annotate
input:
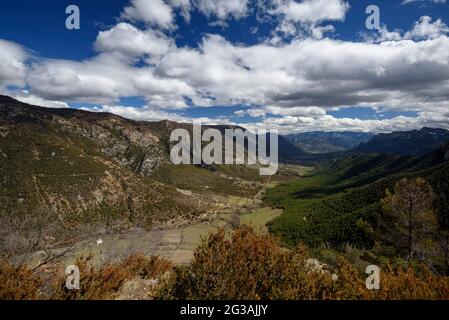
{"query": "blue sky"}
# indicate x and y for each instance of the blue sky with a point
(295, 65)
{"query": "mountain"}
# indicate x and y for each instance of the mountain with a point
(415, 142)
(64, 172)
(326, 142)
(288, 151)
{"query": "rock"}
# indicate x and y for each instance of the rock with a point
(137, 289)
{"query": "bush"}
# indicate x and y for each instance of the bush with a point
(247, 265)
(19, 283)
(409, 284)
(22, 283)
(239, 265)
(105, 283)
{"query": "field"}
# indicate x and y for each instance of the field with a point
(260, 218)
(176, 244)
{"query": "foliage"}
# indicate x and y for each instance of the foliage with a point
(247, 265)
(19, 282)
(411, 210)
(241, 265)
(106, 282)
(340, 203)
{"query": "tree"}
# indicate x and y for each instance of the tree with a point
(411, 210)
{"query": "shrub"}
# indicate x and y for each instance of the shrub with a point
(19, 283)
(106, 282)
(411, 284)
(238, 265)
(247, 265)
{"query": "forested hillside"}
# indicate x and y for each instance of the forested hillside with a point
(414, 142)
(340, 204)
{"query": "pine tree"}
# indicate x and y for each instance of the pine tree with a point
(411, 209)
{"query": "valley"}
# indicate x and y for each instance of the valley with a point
(99, 190)
(175, 244)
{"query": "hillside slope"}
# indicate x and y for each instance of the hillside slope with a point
(415, 142)
(340, 203)
(64, 172)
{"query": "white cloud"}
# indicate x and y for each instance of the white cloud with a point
(304, 77)
(305, 18)
(426, 29)
(152, 12)
(423, 29)
(312, 11)
(129, 40)
(222, 9)
(184, 6)
(305, 73)
(151, 114)
(12, 63)
(290, 112)
(104, 79)
(289, 124)
(291, 84)
(25, 97)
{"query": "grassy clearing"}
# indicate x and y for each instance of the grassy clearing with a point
(260, 218)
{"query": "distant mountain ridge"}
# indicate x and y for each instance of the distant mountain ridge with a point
(414, 142)
(325, 142)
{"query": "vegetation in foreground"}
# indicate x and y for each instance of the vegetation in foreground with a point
(242, 264)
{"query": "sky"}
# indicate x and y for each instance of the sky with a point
(290, 65)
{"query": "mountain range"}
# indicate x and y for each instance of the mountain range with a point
(414, 142)
(79, 169)
(326, 142)
(63, 171)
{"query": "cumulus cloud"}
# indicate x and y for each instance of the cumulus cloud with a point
(312, 11)
(425, 29)
(12, 64)
(103, 79)
(306, 17)
(152, 114)
(152, 12)
(302, 79)
(130, 41)
(223, 9)
(25, 97)
(292, 84)
(289, 124)
(304, 73)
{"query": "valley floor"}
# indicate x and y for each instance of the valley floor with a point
(175, 244)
